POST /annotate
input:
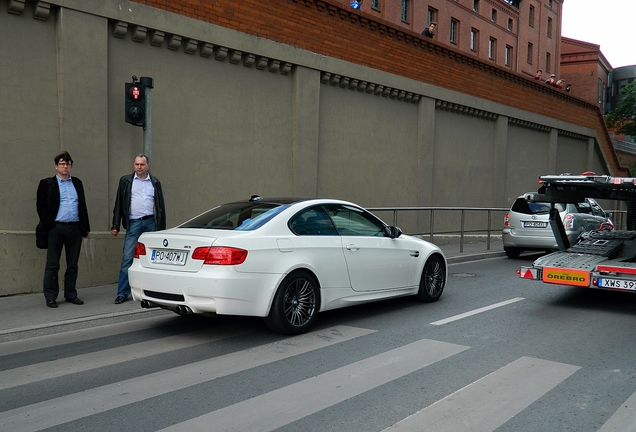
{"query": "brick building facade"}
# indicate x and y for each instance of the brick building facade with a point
(522, 36)
(585, 67)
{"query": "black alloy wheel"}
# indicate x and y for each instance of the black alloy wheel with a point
(295, 304)
(433, 279)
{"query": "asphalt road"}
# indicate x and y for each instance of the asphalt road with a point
(495, 353)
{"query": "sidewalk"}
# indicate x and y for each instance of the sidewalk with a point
(28, 312)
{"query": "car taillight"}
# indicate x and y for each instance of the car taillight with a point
(140, 249)
(220, 255)
(568, 221)
(507, 220)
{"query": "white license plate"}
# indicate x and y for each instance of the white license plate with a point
(617, 283)
(533, 224)
(159, 256)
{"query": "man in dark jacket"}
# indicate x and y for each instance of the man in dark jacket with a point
(139, 207)
(430, 30)
(61, 206)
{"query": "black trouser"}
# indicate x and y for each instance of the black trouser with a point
(65, 235)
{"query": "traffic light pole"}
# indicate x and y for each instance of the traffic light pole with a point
(148, 84)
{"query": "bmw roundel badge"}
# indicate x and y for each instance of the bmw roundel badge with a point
(165, 242)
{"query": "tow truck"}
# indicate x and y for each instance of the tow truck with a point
(604, 258)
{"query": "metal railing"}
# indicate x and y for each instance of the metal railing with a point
(619, 218)
(462, 231)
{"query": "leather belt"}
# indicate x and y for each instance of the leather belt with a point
(145, 217)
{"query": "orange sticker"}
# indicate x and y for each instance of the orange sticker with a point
(566, 276)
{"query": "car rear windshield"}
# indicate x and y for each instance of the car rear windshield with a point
(525, 207)
(241, 216)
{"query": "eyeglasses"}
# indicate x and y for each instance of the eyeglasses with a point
(64, 164)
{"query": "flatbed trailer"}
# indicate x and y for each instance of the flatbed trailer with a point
(601, 259)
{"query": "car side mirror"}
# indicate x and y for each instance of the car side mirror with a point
(393, 231)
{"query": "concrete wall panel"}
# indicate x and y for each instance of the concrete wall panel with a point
(29, 124)
(527, 149)
(229, 133)
(571, 155)
(367, 144)
(464, 159)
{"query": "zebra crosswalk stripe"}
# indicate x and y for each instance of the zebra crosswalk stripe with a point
(488, 403)
(65, 366)
(67, 408)
(270, 410)
(624, 419)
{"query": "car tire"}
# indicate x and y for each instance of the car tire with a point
(433, 279)
(295, 304)
(512, 252)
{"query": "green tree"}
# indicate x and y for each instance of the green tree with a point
(622, 117)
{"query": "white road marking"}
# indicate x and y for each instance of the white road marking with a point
(41, 342)
(488, 403)
(71, 407)
(272, 410)
(624, 418)
(69, 365)
(476, 311)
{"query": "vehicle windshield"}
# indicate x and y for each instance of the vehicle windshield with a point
(240, 216)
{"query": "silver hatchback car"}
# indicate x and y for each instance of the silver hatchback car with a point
(526, 225)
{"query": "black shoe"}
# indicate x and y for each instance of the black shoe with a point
(51, 303)
(120, 299)
(75, 301)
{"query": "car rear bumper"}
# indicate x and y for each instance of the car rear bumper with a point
(510, 239)
(218, 289)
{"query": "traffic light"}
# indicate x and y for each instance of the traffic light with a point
(135, 104)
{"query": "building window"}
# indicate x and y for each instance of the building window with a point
(531, 16)
(494, 15)
(476, 5)
(492, 48)
(405, 10)
(432, 16)
(508, 58)
(375, 4)
(510, 24)
(550, 27)
(530, 49)
(550, 4)
(474, 40)
(454, 31)
(547, 62)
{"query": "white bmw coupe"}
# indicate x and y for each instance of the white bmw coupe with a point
(284, 259)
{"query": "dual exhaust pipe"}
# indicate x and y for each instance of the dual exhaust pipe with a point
(181, 310)
(146, 304)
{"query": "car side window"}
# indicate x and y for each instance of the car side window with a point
(313, 221)
(584, 207)
(353, 221)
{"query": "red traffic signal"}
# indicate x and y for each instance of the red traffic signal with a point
(135, 104)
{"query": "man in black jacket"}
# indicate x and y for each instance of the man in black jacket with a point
(61, 206)
(139, 207)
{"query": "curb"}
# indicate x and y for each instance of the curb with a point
(475, 257)
(74, 321)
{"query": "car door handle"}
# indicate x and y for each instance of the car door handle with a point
(415, 254)
(352, 247)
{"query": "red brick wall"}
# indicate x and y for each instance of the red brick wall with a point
(582, 65)
(328, 27)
